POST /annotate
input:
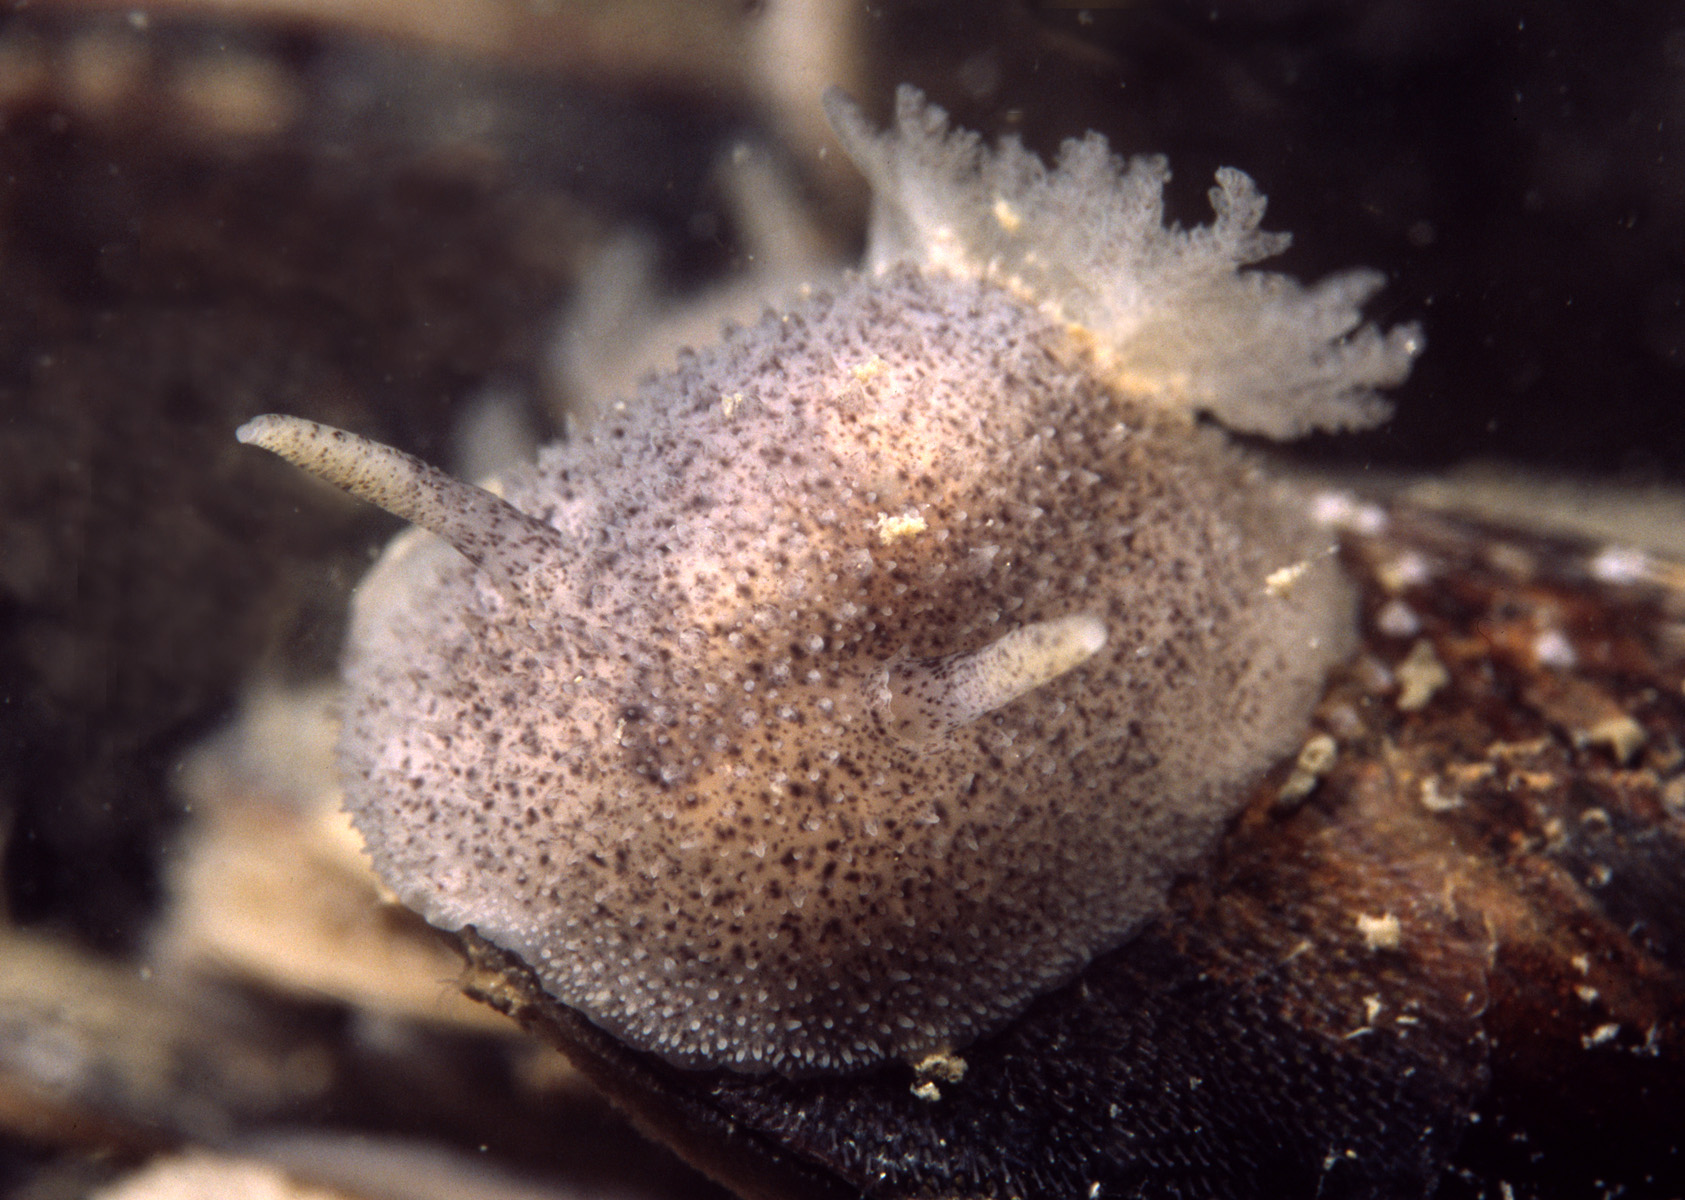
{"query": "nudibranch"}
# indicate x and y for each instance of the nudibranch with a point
(869, 673)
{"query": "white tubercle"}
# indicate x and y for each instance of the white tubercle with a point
(489, 531)
(937, 696)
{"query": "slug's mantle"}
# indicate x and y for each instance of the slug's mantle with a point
(879, 666)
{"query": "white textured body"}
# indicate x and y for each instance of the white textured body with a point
(680, 792)
(864, 677)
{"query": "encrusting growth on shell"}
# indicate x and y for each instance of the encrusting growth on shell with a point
(754, 785)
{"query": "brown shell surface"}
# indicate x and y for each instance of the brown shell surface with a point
(1457, 966)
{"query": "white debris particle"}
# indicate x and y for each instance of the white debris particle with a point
(1406, 571)
(1553, 649)
(943, 1066)
(1420, 675)
(1280, 581)
(1314, 761)
(1436, 801)
(1622, 736)
(1342, 510)
(1601, 1035)
(1621, 565)
(1384, 932)
(869, 370)
(1397, 619)
(893, 529)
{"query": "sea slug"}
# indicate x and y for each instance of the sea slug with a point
(863, 677)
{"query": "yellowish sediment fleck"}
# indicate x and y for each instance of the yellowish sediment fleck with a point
(1436, 801)
(1280, 582)
(1600, 1035)
(1420, 675)
(1408, 570)
(943, 1066)
(893, 529)
(1315, 760)
(1622, 736)
(869, 370)
(1380, 933)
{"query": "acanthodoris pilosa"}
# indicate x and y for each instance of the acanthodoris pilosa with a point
(868, 674)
